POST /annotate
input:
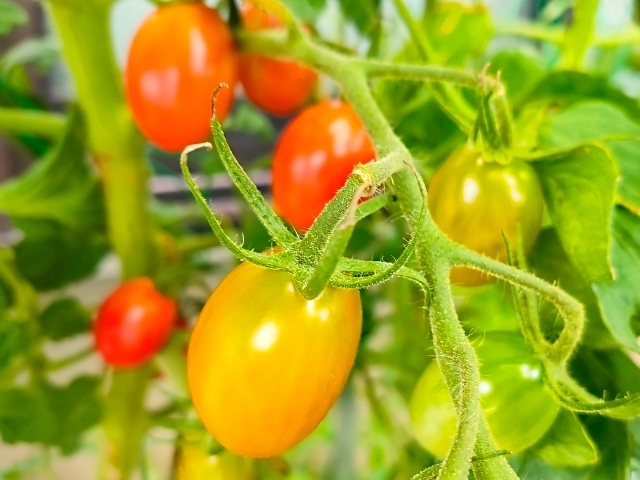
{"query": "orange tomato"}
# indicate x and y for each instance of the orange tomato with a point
(316, 153)
(177, 59)
(277, 86)
(265, 365)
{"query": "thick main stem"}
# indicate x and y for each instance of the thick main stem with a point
(117, 148)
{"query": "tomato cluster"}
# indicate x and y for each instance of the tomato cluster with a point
(133, 323)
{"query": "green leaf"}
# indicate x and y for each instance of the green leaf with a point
(549, 261)
(43, 52)
(76, 408)
(247, 118)
(627, 153)
(60, 187)
(307, 11)
(64, 318)
(578, 187)
(51, 255)
(11, 15)
(620, 300)
(457, 31)
(566, 443)
(566, 88)
(579, 35)
(517, 72)
(613, 440)
(365, 14)
(15, 340)
(25, 416)
(487, 308)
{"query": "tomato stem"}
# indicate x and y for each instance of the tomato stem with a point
(49, 125)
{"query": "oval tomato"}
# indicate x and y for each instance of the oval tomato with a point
(314, 156)
(133, 323)
(195, 463)
(473, 202)
(516, 404)
(265, 365)
(177, 59)
(277, 86)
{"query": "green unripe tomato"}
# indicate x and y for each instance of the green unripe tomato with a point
(516, 404)
(474, 201)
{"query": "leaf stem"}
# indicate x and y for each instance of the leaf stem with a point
(44, 124)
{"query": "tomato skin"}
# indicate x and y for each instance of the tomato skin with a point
(133, 323)
(474, 201)
(264, 364)
(195, 463)
(315, 154)
(277, 86)
(516, 404)
(177, 58)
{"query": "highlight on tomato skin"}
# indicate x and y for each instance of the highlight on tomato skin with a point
(279, 87)
(133, 323)
(265, 365)
(169, 83)
(315, 154)
(473, 201)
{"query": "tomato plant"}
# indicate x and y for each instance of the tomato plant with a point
(512, 393)
(475, 202)
(133, 323)
(294, 355)
(435, 133)
(277, 86)
(169, 87)
(314, 155)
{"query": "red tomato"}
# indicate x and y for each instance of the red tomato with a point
(133, 323)
(265, 365)
(277, 86)
(316, 153)
(177, 59)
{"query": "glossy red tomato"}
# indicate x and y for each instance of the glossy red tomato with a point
(277, 86)
(133, 323)
(264, 364)
(474, 201)
(516, 403)
(177, 59)
(316, 153)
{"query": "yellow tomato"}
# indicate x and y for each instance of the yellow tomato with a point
(265, 365)
(474, 202)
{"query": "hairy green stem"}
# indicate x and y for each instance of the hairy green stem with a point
(117, 148)
(44, 124)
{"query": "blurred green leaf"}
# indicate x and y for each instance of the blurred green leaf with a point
(11, 15)
(307, 11)
(613, 440)
(59, 187)
(578, 187)
(43, 52)
(52, 255)
(76, 408)
(487, 308)
(64, 318)
(457, 31)
(247, 118)
(15, 339)
(566, 443)
(549, 261)
(566, 88)
(620, 300)
(517, 72)
(365, 14)
(25, 416)
(579, 35)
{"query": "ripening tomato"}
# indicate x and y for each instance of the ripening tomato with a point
(314, 156)
(277, 86)
(474, 201)
(195, 463)
(133, 323)
(265, 365)
(516, 404)
(177, 59)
